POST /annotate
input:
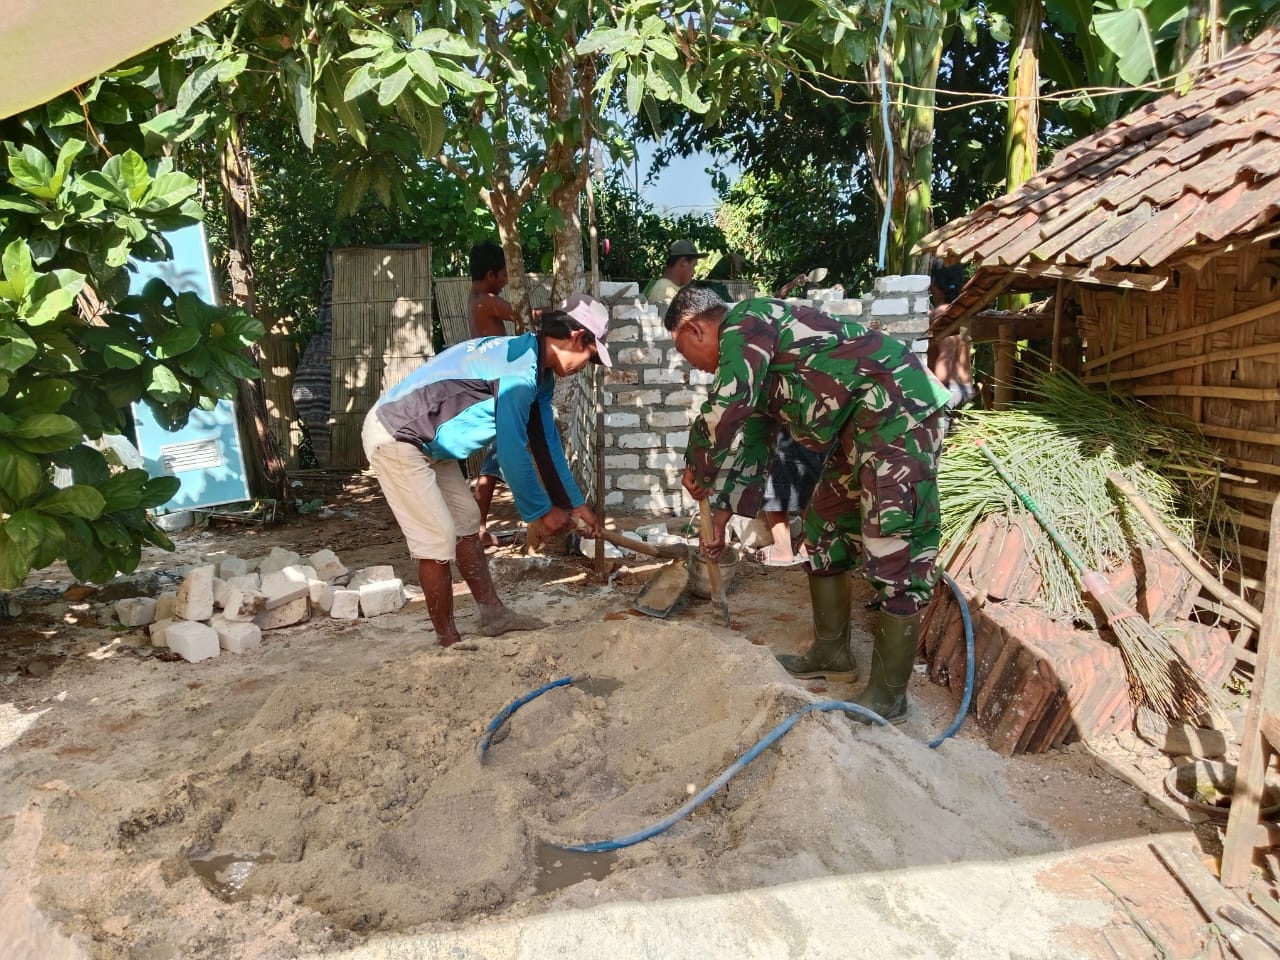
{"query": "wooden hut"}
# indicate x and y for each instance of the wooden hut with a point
(1157, 241)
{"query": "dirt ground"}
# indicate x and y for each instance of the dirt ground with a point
(328, 790)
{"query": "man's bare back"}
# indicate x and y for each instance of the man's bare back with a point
(487, 314)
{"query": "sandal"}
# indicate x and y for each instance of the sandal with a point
(764, 557)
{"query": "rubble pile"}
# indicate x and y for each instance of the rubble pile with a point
(228, 605)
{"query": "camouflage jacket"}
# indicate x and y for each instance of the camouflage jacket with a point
(812, 372)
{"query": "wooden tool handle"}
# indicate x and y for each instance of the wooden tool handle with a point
(665, 551)
(708, 532)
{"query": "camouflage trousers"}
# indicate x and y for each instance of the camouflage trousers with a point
(882, 504)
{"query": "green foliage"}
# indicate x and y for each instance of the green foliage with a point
(81, 195)
(639, 236)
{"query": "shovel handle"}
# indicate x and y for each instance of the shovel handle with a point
(708, 531)
(664, 551)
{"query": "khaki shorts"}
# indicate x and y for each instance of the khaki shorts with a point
(430, 498)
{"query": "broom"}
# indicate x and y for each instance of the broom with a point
(1158, 675)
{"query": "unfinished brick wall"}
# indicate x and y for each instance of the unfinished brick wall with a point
(652, 394)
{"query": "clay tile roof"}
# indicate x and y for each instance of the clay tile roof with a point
(1192, 168)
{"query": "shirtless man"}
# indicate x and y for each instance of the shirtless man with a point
(487, 316)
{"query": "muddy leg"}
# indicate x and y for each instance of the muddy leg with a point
(494, 617)
(485, 486)
(437, 585)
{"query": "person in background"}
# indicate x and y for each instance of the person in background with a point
(833, 383)
(793, 473)
(479, 391)
(487, 316)
(682, 263)
(949, 356)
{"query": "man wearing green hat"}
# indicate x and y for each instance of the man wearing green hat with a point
(682, 261)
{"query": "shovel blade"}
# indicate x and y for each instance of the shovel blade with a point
(661, 594)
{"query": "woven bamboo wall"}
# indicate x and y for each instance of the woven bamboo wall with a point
(452, 294)
(381, 333)
(1207, 347)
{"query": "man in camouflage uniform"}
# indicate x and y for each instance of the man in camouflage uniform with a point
(833, 383)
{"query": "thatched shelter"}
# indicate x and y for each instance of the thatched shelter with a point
(1157, 239)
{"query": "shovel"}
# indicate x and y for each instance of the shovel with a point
(664, 590)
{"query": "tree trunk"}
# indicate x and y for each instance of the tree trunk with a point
(912, 56)
(1022, 148)
(266, 468)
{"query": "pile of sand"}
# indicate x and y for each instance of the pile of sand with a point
(330, 786)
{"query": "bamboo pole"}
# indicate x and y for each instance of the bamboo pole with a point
(1005, 348)
(1249, 394)
(1057, 326)
(1264, 437)
(1264, 350)
(1189, 560)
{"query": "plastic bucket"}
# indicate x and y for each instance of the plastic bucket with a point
(700, 583)
(1207, 785)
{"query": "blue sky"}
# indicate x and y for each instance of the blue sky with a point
(684, 186)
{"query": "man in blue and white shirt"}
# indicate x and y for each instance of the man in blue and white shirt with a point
(457, 403)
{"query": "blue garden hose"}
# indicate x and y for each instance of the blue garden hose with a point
(825, 706)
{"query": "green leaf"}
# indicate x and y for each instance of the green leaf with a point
(47, 396)
(391, 88)
(45, 432)
(159, 490)
(20, 473)
(78, 500)
(17, 549)
(101, 185)
(32, 171)
(1126, 34)
(66, 156)
(134, 175)
(19, 274)
(163, 386)
(176, 342)
(86, 464)
(124, 490)
(195, 85)
(362, 81)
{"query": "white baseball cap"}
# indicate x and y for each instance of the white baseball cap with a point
(594, 316)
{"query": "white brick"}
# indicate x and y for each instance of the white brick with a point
(321, 595)
(295, 611)
(192, 641)
(622, 334)
(632, 441)
(219, 592)
(656, 502)
(381, 596)
(700, 378)
(278, 559)
(136, 611)
(889, 306)
(284, 586)
(906, 283)
(346, 605)
(637, 481)
(195, 595)
(165, 604)
(686, 398)
(636, 311)
(157, 631)
(622, 461)
(614, 498)
(634, 398)
(640, 355)
(664, 461)
(844, 308)
(365, 575)
(667, 418)
(327, 565)
(232, 567)
(664, 376)
(250, 581)
(615, 420)
(236, 636)
(678, 440)
(243, 604)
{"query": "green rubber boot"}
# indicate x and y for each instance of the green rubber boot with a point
(829, 655)
(892, 658)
